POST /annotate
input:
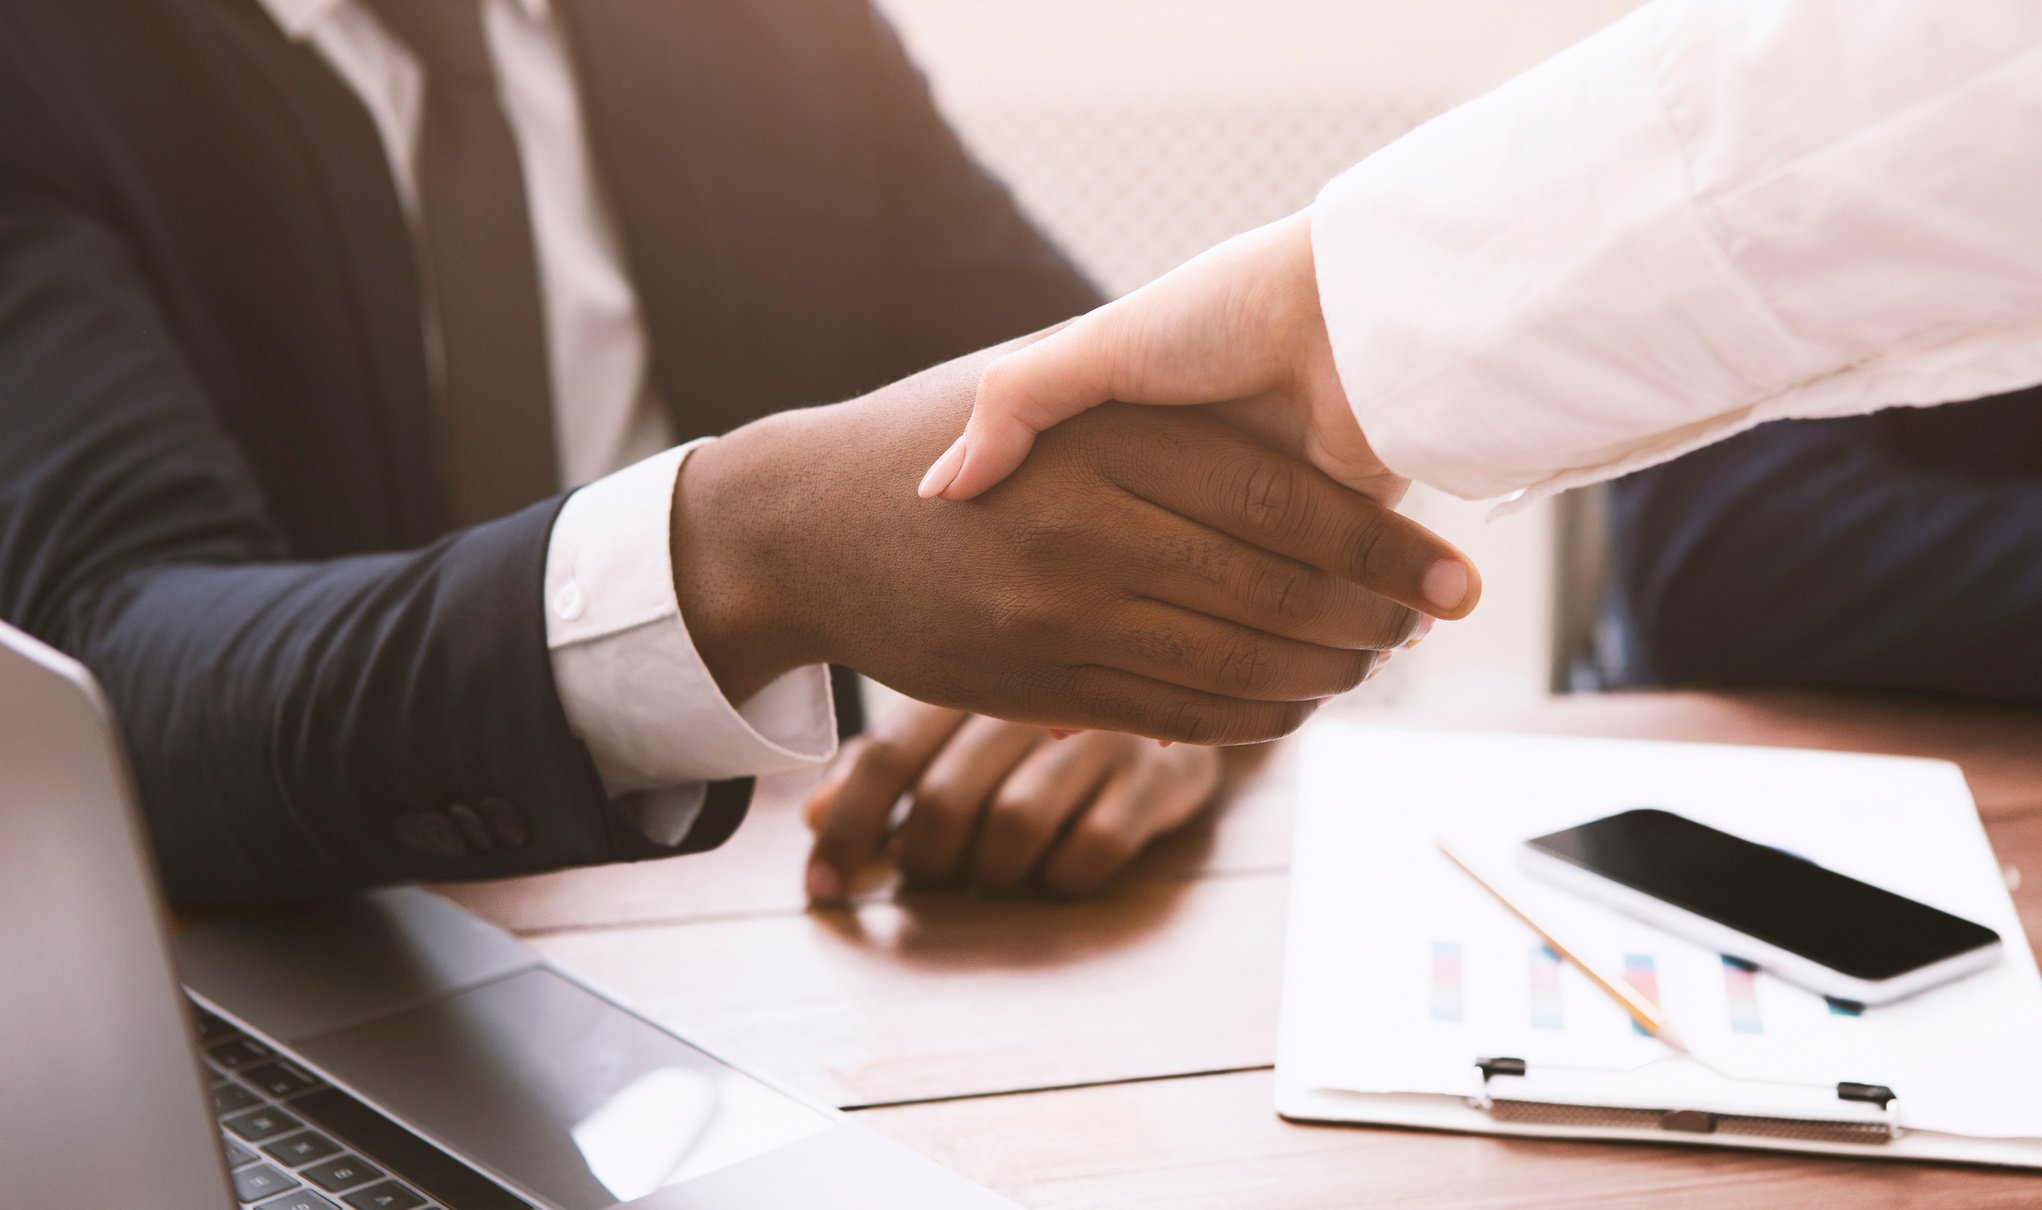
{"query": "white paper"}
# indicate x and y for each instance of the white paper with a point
(1403, 970)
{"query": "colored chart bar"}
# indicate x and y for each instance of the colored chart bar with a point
(1446, 981)
(1740, 987)
(1545, 988)
(1643, 976)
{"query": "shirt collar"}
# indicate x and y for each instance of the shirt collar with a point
(298, 18)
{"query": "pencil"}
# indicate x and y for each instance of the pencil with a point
(1649, 1016)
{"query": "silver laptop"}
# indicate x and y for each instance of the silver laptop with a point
(385, 1052)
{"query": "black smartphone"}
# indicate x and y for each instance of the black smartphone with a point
(1812, 926)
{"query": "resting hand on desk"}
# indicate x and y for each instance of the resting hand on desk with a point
(999, 804)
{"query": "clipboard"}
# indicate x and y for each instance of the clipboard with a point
(1410, 999)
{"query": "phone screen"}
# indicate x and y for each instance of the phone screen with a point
(1848, 926)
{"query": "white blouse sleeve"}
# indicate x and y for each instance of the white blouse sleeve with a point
(1712, 214)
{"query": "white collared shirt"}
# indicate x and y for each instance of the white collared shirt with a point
(633, 686)
(1712, 214)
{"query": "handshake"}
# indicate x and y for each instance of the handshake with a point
(1206, 575)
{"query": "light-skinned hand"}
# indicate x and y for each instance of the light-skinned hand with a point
(1238, 326)
(998, 805)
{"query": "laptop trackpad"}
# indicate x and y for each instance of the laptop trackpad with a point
(560, 1092)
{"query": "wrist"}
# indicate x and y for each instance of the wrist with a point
(742, 602)
(1300, 320)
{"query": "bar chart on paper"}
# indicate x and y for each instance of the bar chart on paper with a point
(1492, 986)
(1740, 991)
(1549, 992)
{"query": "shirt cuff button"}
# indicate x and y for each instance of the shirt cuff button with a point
(473, 830)
(569, 602)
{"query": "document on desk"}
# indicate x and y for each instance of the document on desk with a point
(1402, 971)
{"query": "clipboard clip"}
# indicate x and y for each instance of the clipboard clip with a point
(1866, 1114)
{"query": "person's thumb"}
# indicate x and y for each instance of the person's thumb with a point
(1019, 396)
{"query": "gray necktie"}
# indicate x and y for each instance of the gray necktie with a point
(480, 269)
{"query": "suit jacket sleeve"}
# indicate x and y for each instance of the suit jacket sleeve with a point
(969, 267)
(1808, 553)
(296, 728)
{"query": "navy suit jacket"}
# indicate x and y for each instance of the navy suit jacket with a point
(217, 487)
(1901, 550)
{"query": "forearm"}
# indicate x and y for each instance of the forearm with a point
(289, 722)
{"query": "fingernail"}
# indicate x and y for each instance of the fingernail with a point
(824, 883)
(1375, 668)
(1418, 635)
(943, 472)
(1446, 584)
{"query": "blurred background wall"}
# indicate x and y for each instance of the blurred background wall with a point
(1139, 132)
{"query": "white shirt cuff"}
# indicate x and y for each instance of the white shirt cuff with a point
(634, 688)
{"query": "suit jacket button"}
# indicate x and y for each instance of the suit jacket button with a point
(473, 830)
(506, 822)
(429, 834)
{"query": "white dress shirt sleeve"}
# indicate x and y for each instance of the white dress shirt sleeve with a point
(634, 688)
(1712, 214)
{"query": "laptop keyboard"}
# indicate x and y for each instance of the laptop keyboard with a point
(295, 1142)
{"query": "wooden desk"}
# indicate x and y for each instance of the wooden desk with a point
(1117, 1052)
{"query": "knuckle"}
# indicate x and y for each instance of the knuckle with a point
(1361, 544)
(1288, 594)
(1242, 665)
(1190, 722)
(884, 759)
(1103, 840)
(940, 802)
(997, 381)
(1089, 858)
(1013, 811)
(1263, 494)
(1040, 536)
(929, 851)
(1007, 840)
